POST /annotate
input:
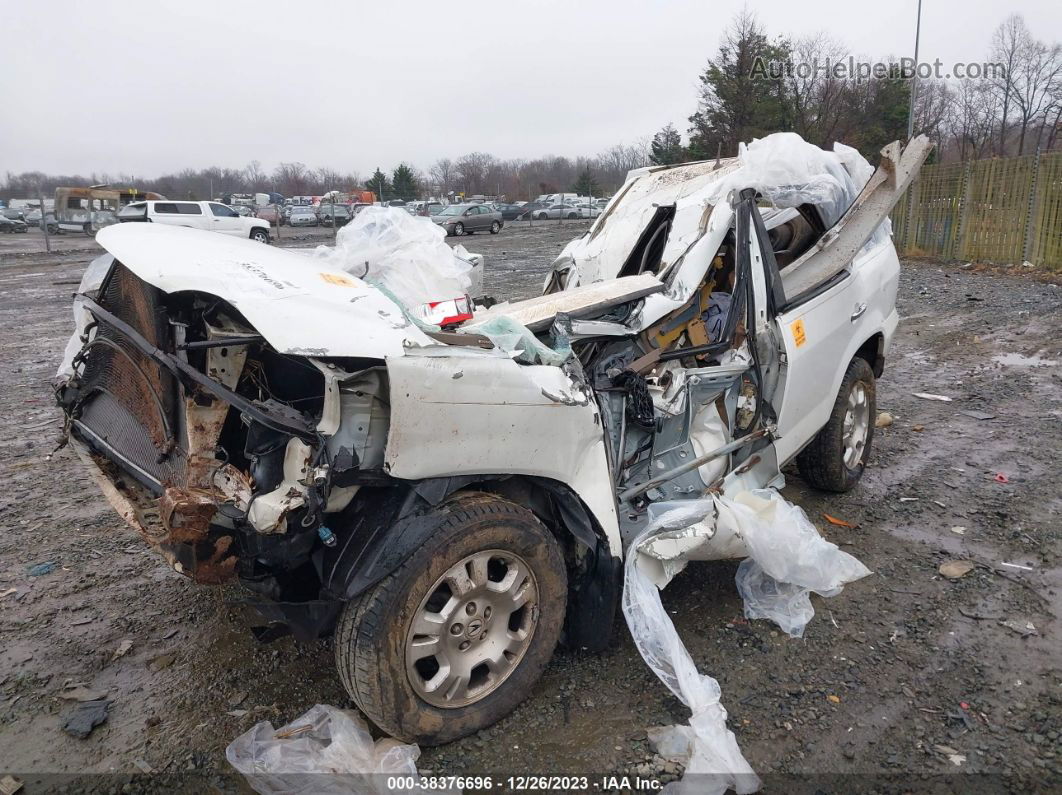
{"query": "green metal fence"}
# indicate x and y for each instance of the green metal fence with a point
(1005, 210)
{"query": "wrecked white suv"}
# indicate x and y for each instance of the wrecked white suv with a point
(449, 504)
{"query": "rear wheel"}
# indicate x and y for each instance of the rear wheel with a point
(456, 637)
(837, 456)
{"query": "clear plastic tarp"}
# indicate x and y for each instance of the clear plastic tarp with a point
(405, 254)
(788, 171)
(326, 751)
(788, 559)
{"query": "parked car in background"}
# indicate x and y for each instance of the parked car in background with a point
(510, 212)
(209, 216)
(302, 215)
(12, 225)
(13, 214)
(33, 218)
(244, 210)
(556, 211)
(337, 214)
(458, 219)
(268, 213)
(587, 210)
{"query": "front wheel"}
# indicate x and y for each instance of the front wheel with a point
(572, 216)
(260, 235)
(495, 228)
(459, 229)
(458, 635)
(837, 456)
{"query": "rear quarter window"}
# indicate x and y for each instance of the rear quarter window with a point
(188, 208)
(166, 208)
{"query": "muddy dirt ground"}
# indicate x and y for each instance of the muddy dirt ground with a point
(905, 679)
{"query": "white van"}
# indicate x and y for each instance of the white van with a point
(211, 216)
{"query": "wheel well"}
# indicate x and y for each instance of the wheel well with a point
(593, 571)
(873, 351)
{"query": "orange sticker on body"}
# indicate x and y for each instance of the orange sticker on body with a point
(338, 279)
(797, 328)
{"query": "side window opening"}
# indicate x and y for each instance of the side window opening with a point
(648, 252)
(189, 208)
(166, 208)
(794, 236)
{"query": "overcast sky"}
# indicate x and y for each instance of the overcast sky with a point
(149, 87)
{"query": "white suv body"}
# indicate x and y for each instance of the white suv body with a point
(209, 216)
(448, 503)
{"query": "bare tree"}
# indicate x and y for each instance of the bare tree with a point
(1038, 74)
(442, 174)
(255, 176)
(292, 179)
(472, 171)
(818, 97)
(1008, 41)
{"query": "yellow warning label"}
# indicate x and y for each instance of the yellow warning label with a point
(797, 327)
(338, 279)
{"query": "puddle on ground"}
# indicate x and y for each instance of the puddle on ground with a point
(1021, 360)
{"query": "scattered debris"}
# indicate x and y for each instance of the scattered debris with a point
(169, 633)
(1024, 629)
(908, 499)
(238, 699)
(122, 650)
(1016, 566)
(1001, 478)
(930, 396)
(953, 756)
(9, 785)
(86, 716)
(237, 713)
(78, 692)
(839, 522)
(833, 699)
(40, 569)
(884, 420)
(954, 569)
(80, 622)
(143, 766)
(324, 739)
(977, 415)
(959, 530)
(918, 428)
(7, 592)
(978, 616)
(156, 664)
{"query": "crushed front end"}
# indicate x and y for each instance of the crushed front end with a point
(210, 443)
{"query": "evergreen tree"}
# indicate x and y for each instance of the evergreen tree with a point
(585, 185)
(404, 183)
(380, 185)
(741, 97)
(666, 147)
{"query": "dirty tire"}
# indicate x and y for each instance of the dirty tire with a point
(260, 235)
(495, 228)
(822, 462)
(459, 229)
(371, 634)
(573, 216)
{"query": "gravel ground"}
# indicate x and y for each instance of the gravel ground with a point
(905, 677)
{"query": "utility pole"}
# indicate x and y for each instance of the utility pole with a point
(914, 77)
(44, 221)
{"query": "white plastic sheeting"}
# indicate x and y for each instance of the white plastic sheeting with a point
(326, 751)
(788, 171)
(407, 255)
(788, 559)
(90, 283)
(706, 747)
(517, 340)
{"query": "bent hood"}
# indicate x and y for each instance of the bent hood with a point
(300, 306)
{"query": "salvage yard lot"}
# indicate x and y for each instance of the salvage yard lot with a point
(907, 673)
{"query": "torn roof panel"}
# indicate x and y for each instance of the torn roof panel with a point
(299, 306)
